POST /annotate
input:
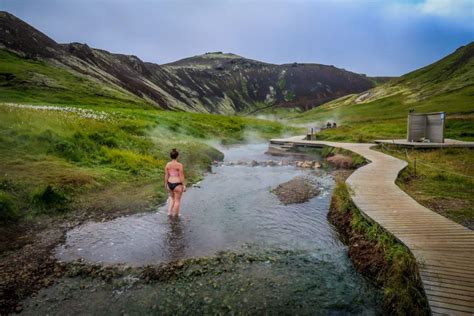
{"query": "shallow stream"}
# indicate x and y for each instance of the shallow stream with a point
(294, 262)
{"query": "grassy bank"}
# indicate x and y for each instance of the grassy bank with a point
(379, 256)
(99, 159)
(443, 181)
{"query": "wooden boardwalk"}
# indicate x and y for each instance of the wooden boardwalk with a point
(443, 249)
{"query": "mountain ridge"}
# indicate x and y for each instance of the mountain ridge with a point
(233, 85)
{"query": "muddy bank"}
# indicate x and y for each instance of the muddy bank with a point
(366, 255)
(297, 190)
(27, 265)
(27, 270)
(26, 262)
(379, 257)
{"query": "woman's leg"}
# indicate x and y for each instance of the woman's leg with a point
(170, 202)
(177, 192)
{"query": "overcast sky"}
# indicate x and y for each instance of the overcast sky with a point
(376, 37)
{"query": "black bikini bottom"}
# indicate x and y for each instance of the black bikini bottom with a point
(173, 186)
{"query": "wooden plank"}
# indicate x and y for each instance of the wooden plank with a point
(447, 275)
(463, 269)
(465, 289)
(447, 294)
(444, 311)
(468, 295)
(450, 304)
(435, 258)
(464, 300)
(443, 280)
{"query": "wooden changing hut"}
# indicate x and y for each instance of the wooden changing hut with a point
(426, 127)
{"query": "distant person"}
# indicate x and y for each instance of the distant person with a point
(328, 125)
(334, 125)
(174, 183)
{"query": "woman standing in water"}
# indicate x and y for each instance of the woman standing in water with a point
(174, 182)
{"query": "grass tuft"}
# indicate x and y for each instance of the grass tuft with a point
(50, 199)
(8, 210)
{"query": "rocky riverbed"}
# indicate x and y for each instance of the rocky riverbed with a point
(298, 190)
(307, 164)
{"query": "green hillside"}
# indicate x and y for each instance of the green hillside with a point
(37, 81)
(447, 85)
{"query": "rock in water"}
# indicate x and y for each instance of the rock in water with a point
(297, 190)
(340, 161)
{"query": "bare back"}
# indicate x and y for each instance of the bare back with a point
(175, 171)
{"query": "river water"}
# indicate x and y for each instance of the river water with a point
(294, 263)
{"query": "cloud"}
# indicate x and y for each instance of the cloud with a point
(448, 8)
(455, 10)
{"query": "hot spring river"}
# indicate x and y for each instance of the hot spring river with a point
(295, 263)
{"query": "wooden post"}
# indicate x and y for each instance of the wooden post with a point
(312, 133)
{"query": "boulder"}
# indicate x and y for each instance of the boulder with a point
(340, 161)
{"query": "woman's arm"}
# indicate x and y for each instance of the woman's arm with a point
(181, 175)
(166, 178)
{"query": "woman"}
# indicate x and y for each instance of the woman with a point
(174, 183)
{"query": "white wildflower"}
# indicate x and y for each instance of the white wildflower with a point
(85, 113)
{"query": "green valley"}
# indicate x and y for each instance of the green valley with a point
(380, 113)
